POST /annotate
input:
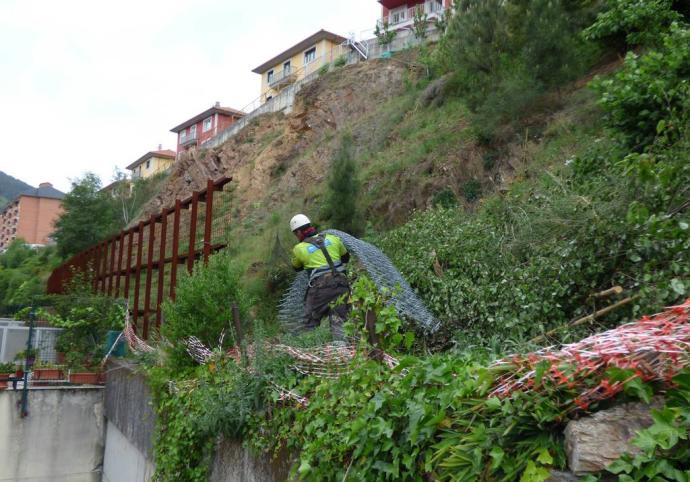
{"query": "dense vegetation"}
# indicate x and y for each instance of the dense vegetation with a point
(615, 211)
(23, 272)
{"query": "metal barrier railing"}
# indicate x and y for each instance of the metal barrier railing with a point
(141, 263)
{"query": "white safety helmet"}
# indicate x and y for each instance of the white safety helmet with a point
(298, 221)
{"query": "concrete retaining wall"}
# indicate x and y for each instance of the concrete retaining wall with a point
(123, 462)
(129, 447)
(61, 439)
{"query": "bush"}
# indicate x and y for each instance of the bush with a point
(651, 93)
(203, 307)
(505, 54)
(639, 22)
(85, 319)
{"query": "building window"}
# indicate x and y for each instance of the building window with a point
(269, 76)
(398, 15)
(310, 55)
(183, 134)
(208, 123)
(286, 68)
(192, 132)
(148, 164)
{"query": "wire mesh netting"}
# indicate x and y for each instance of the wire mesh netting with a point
(381, 270)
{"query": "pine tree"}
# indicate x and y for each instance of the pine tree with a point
(343, 188)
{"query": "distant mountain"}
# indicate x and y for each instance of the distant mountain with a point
(10, 188)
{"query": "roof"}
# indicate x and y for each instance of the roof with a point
(165, 154)
(389, 4)
(205, 114)
(299, 47)
(45, 190)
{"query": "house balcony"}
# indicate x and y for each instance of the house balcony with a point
(403, 17)
(189, 140)
(283, 78)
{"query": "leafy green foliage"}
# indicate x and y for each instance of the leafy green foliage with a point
(665, 448)
(203, 307)
(640, 21)
(369, 303)
(420, 23)
(384, 34)
(85, 318)
(343, 188)
(504, 55)
(88, 217)
(23, 271)
(650, 94)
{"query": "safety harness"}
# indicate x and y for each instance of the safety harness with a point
(319, 242)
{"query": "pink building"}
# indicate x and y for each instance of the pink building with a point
(204, 126)
(399, 14)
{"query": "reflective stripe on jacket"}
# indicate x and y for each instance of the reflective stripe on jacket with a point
(308, 256)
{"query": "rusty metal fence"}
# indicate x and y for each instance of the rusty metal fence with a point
(142, 263)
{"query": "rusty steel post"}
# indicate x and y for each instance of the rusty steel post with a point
(111, 271)
(121, 243)
(104, 268)
(149, 275)
(161, 266)
(137, 279)
(175, 248)
(128, 269)
(96, 266)
(192, 231)
(208, 220)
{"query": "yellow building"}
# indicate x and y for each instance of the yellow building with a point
(152, 163)
(299, 61)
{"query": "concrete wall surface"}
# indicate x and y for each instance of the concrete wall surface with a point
(128, 405)
(234, 463)
(60, 440)
(123, 462)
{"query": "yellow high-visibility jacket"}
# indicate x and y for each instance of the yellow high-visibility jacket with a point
(307, 256)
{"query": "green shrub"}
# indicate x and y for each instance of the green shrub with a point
(340, 61)
(639, 22)
(503, 55)
(444, 199)
(651, 93)
(203, 307)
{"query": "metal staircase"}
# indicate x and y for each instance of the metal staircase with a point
(361, 48)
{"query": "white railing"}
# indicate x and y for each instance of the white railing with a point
(283, 99)
(188, 139)
(404, 17)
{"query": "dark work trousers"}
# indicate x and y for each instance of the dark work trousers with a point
(322, 292)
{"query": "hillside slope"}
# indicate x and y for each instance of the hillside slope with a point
(10, 188)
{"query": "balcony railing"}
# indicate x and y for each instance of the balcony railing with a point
(188, 140)
(284, 77)
(404, 17)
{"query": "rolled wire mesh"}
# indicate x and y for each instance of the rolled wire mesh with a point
(381, 270)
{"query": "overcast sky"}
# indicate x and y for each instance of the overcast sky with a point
(89, 85)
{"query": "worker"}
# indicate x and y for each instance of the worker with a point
(324, 257)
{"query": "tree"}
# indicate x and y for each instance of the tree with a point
(343, 188)
(89, 216)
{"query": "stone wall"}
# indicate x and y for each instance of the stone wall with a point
(61, 439)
